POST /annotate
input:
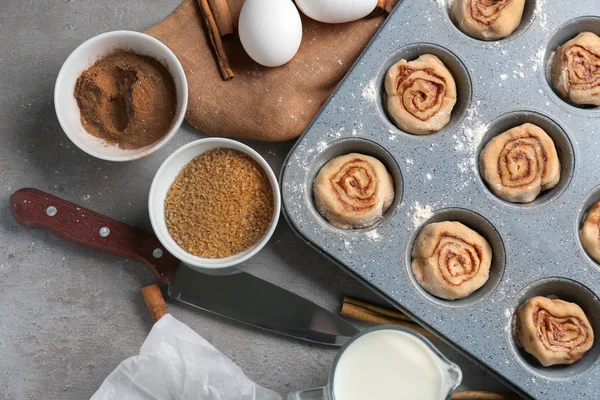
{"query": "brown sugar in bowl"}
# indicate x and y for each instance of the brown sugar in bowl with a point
(159, 191)
(220, 204)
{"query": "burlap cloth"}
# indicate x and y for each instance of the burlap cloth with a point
(271, 104)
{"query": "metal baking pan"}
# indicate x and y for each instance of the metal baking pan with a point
(536, 247)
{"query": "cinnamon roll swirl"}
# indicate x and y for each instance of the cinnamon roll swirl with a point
(520, 163)
(450, 260)
(576, 70)
(420, 94)
(553, 331)
(590, 233)
(353, 191)
(487, 19)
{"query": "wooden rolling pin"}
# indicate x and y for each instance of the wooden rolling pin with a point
(363, 311)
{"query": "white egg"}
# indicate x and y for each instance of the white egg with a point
(336, 11)
(270, 31)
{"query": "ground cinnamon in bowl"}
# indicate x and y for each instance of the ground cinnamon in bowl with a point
(129, 100)
(220, 204)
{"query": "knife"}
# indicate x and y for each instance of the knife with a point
(239, 296)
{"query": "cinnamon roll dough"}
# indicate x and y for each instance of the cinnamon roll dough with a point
(553, 331)
(590, 233)
(520, 163)
(450, 260)
(576, 70)
(353, 191)
(420, 94)
(487, 19)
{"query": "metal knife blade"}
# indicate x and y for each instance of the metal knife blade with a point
(251, 300)
(241, 296)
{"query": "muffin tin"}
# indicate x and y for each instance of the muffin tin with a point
(536, 247)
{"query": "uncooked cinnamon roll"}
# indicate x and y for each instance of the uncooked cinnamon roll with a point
(590, 233)
(353, 191)
(554, 331)
(487, 19)
(576, 70)
(420, 94)
(520, 163)
(450, 260)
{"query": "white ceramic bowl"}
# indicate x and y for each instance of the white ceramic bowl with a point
(84, 57)
(165, 176)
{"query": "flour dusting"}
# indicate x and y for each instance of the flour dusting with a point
(421, 214)
(374, 235)
(540, 15)
(519, 72)
(369, 92)
(444, 3)
(473, 130)
(322, 145)
(348, 246)
(334, 134)
(548, 66)
(537, 60)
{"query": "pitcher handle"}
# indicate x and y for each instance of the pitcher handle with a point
(311, 394)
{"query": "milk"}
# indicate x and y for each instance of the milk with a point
(389, 365)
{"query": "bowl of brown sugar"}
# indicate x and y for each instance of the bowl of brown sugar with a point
(214, 203)
(121, 95)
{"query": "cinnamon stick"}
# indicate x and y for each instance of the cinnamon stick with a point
(155, 302)
(222, 15)
(372, 308)
(215, 37)
(483, 396)
(386, 5)
(363, 314)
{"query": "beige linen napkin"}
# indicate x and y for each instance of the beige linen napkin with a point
(270, 104)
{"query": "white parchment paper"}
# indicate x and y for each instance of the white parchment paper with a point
(175, 363)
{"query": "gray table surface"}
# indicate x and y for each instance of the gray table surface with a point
(68, 316)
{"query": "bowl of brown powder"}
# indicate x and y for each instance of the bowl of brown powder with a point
(214, 203)
(121, 95)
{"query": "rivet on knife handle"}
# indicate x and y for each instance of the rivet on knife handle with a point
(33, 208)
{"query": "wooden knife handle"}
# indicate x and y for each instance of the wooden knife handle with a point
(33, 208)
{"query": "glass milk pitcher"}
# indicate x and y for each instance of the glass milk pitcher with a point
(388, 363)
